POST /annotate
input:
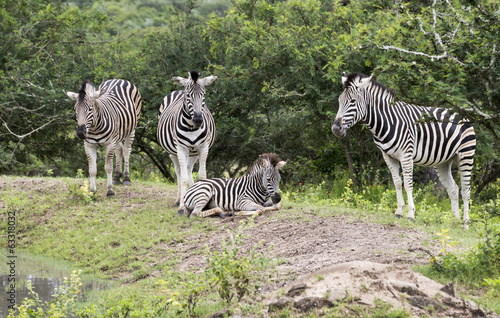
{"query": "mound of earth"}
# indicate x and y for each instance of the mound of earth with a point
(365, 282)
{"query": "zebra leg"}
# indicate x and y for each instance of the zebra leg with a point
(393, 165)
(126, 149)
(183, 158)
(91, 151)
(407, 167)
(465, 169)
(202, 173)
(118, 167)
(248, 207)
(175, 160)
(206, 213)
(446, 178)
(108, 167)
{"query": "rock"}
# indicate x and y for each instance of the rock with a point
(425, 303)
(454, 302)
(407, 288)
(308, 303)
(296, 290)
(336, 295)
(281, 303)
(449, 289)
(474, 309)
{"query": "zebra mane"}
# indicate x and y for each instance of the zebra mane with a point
(84, 90)
(273, 159)
(354, 78)
(194, 75)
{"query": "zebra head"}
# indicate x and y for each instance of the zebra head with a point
(194, 95)
(84, 107)
(352, 103)
(270, 165)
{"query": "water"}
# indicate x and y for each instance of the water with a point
(45, 275)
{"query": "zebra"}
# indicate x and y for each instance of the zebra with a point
(107, 117)
(410, 135)
(186, 129)
(247, 195)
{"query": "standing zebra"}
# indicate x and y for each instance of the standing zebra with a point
(108, 117)
(186, 129)
(409, 134)
(245, 195)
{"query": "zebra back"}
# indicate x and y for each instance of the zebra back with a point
(118, 110)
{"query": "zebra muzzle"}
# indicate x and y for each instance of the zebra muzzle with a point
(81, 132)
(197, 120)
(337, 128)
(276, 198)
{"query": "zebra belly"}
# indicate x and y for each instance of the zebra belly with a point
(436, 143)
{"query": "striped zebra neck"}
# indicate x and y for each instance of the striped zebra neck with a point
(377, 104)
(186, 120)
(256, 178)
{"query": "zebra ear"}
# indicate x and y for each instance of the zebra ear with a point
(207, 80)
(95, 95)
(344, 78)
(364, 82)
(280, 164)
(263, 162)
(180, 80)
(72, 95)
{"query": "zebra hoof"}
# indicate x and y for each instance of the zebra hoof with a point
(411, 219)
(231, 213)
(180, 212)
(115, 181)
(110, 194)
(177, 204)
(398, 216)
(222, 216)
(126, 182)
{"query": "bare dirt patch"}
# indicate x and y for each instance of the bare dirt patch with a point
(335, 257)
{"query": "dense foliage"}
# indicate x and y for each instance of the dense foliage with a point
(279, 66)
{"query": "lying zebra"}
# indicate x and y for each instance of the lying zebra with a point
(246, 195)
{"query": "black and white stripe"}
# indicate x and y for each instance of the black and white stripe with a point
(108, 117)
(245, 195)
(410, 135)
(186, 129)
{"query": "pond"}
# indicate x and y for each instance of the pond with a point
(45, 274)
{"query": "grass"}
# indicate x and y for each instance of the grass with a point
(137, 239)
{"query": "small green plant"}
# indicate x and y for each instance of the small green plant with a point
(82, 192)
(444, 254)
(493, 284)
(80, 174)
(194, 290)
(63, 304)
(230, 270)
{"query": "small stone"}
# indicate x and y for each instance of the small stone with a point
(425, 302)
(308, 303)
(407, 288)
(221, 314)
(281, 303)
(337, 295)
(296, 290)
(449, 289)
(474, 309)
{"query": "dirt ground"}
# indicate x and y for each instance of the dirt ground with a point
(335, 258)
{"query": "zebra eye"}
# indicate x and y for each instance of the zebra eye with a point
(352, 101)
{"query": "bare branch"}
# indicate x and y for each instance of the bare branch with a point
(31, 132)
